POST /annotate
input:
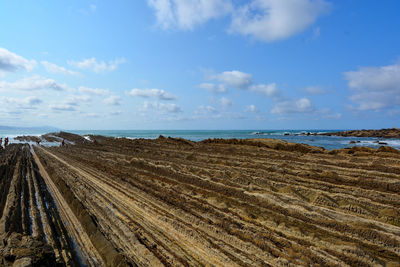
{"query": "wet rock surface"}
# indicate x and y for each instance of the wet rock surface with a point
(174, 202)
(19, 250)
(56, 137)
(30, 224)
(28, 138)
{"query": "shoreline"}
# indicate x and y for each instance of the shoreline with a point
(55, 138)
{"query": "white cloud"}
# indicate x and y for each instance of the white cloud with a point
(93, 91)
(270, 90)
(86, 11)
(31, 84)
(62, 107)
(225, 102)
(326, 113)
(97, 66)
(271, 20)
(93, 7)
(303, 105)
(186, 14)
(384, 78)
(235, 79)
(315, 90)
(115, 113)
(265, 20)
(316, 32)
(203, 110)
(113, 100)
(160, 94)
(251, 108)
(51, 67)
(375, 88)
(220, 88)
(11, 62)
(161, 107)
(30, 102)
(93, 115)
(244, 81)
(75, 100)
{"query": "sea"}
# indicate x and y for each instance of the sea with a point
(328, 142)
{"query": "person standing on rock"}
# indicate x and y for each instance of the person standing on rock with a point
(1, 143)
(6, 142)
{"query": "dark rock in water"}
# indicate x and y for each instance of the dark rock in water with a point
(286, 134)
(358, 141)
(382, 143)
(352, 142)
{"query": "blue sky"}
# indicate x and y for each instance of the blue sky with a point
(200, 64)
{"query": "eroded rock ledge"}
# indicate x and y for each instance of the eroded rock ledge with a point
(383, 133)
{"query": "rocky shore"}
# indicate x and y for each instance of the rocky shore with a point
(100, 201)
(383, 133)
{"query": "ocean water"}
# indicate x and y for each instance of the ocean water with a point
(328, 142)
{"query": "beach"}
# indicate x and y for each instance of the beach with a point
(102, 201)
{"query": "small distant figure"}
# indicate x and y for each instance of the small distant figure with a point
(1, 143)
(6, 142)
(63, 143)
(38, 142)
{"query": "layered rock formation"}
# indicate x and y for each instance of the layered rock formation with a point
(383, 133)
(173, 202)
